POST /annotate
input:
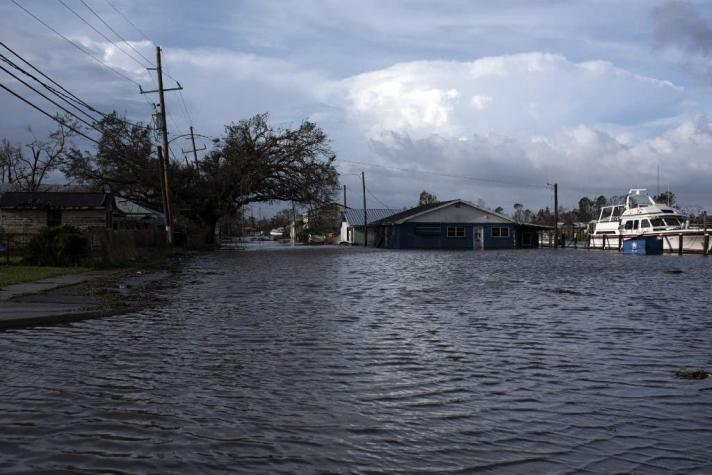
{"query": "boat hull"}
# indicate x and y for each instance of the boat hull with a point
(687, 241)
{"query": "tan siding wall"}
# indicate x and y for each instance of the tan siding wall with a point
(24, 224)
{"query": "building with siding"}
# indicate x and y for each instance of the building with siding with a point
(23, 214)
(352, 223)
(454, 224)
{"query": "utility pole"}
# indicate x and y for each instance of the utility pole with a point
(556, 215)
(365, 213)
(161, 171)
(163, 157)
(344, 197)
(195, 151)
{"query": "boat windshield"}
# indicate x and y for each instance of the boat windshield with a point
(660, 222)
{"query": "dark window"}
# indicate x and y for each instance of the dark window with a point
(629, 224)
(455, 231)
(671, 221)
(427, 229)
(635, 224)
(500, 231)
(645, 224)
(54, 217)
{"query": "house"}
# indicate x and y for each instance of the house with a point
(454, 224)
(23, 214)
(352, 223)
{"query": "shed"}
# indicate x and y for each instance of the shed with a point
(352, 223)
(453, 224)
(23, 214)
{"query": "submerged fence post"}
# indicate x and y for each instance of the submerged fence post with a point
(706, 242)
(679, 244)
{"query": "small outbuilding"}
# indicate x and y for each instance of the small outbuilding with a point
(454, 224)
(352, 223)
(23, 214)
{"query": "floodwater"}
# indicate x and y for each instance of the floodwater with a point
(339, 360)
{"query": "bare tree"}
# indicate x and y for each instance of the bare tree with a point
(28, 171)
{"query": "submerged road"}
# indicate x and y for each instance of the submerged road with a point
(303, 360)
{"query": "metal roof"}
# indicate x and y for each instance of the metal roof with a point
(418, 210)
(354, 216)
(54, 199)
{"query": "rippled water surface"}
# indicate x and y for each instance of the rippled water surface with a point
(305, 360)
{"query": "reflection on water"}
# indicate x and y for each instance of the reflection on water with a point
(349, 360)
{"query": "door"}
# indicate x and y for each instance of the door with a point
(478, 238)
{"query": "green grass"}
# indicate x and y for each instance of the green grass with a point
(18, 274)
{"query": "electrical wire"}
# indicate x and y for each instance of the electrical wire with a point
(376, 198)
(88, 124)
(101, 34)
(47, 113)
(116, 33)
(48, 87)
(80, 48)
(129, 22)
(432, 172)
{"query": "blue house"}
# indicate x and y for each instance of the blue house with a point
(454, 224)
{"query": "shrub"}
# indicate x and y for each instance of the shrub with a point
(57, 246)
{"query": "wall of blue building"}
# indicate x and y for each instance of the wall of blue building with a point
(405, 236)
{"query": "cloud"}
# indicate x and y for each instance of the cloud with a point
(678, 25)
(520, 94)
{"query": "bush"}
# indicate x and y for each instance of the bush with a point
(57, 246)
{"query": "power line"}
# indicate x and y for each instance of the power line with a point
(50, 100)
(129, 22)
(376, 198)
(115, 32)
(69, 94)
(100, 33)
(102, 63)
(47, 113)
(48, 87)
(432, 172)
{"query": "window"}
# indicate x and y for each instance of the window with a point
(658, 222)
(455, 231)
(500, 231)
(427, 229)
(671, 221)
(635, 224)
(629, 225)
(645, 224)
(54, 217)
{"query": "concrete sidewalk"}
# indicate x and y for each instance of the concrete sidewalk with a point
(29, 288)
(34, 303)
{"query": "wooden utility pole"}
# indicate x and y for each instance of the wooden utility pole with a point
(163, 157)
(164, 130)
(344, 197)
(365, 213)
(161, 171)
(195, 151)
(556, 215)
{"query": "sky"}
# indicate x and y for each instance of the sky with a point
(486, 101)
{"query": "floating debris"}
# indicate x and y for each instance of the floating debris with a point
(673, 271)
(693, 373)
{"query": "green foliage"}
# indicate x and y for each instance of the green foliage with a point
(57, 246)
(426, 198)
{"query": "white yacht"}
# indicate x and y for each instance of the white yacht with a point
(641, 216)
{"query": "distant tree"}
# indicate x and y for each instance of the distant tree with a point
(666, 197)
(584, 213)
(426, 198)
(522, 215)
(28, 171)
(499, 210)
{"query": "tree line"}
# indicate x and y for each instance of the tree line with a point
(252, 162)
